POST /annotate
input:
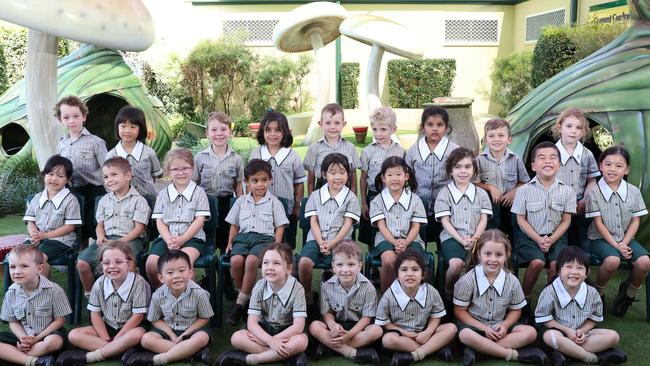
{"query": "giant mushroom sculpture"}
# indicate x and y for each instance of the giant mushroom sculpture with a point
(118, 24)
(311, 27)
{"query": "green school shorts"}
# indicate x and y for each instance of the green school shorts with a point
(528, 250)
(602, 249)
(311, 250)
(385, 245)
(451, 248)
(250, 244)
(90, 254)
(159, 247)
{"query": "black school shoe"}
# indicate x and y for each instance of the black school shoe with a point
(45, 361)
(126, 355)
(232, 358)
(141, 359)
(401, 359)
(298, 360)
(557, 358)
(611, 356)
(532, 355)
(322, 351)
(469, 357)
(202, 356)
(444, 354)
(72, 358)
(622, 302)
(234, 314)
(367, 355)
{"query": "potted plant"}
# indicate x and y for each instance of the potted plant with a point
(253, 127)
(360, 133)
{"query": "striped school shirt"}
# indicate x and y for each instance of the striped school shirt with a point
(544, 208)
(398, 215)
(180, 312)
(555, 303)
(410, 314)
(145, 166)
(504, 173)
(261, 217)
(348, 305)
(120, 215)
(118, 305)
(218, 176)
(463, 208)
(87, 154)
(373, 156)
(576, 168)
(281, 307)
(50, 214)
(178, 210)
(318, 150)
(332, 211)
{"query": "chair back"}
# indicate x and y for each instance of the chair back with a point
(210, 226)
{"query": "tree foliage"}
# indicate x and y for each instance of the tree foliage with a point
(511, 79)
(411, 83)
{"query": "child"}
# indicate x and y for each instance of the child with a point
(332, 121)
(616, 207)
(180, 211)
(569, 309)
(289, 176)
(219, 170)
(463, 210)
(348, 304)
(35, 309)
(332, 210)
(410, 313)
(384, 124)
(488, 301)
(276, 316)
(118, 304)
(131, 128)
(87, 153)
(122, 214)
(501, 172)
(180, 311)
(256, 220)
(427, 157)
(53, 214)
(398, 213)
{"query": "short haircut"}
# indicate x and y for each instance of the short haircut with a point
(119, 163)
(55, 161)
(458, 155)
(283, 125)
(73, 101)
(218, 117)
(615, 150)
(432, 112)
(180, 154)
(255, 166)
(28, 248)
(331, 108)
(133, 115)
(572, 253)
(410, 255)
(122, 246)
(571, 112)
(383, 115)
(173, 255)
(496, 123)
(283, 248)
(543, 145)
(347, 248)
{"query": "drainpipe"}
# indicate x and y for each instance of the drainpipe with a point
(573, 12)
(338, 68)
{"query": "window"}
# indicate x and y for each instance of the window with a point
(471, 31)
(535, 23)
(250, 32)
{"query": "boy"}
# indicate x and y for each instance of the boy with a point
(348, 304)
(501, 172)
(256, 220)
(179, 312)
(543, 207)
(35, 309)
(122, 214)
(332, 122)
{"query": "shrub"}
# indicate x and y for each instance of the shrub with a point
(411, 83)
(554, 52)
(4, 82)
(511, 79)
(16, 184)
(349, 74)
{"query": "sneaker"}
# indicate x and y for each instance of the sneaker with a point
(557, 358)
(367, 355)
(622, 302)
(72, 358)
(531, 355)
(234, 314)
(469, 357)
(232, 358)
(611, 356)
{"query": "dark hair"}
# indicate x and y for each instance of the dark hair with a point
(172, 255)
(283, 125)
(55, 161)
(410, 255)
(347, 248)
(283, 248)
(495, 235)
(393, 162)
(255, 166)
(615, 150)
(333, 159)
(458, 155)
(432, 112)
(331, 108)
(571, 253)
(135, 116)
(118, 162)
(543, 145)
(73, 101)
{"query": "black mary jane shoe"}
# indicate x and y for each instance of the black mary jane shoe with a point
(557, 358)
(444, 354)
(469, 357)
(367, 355)
(232, 358)
(72, 358)
(611, 356)
(532, 355)
(141, 359)
(45, 361)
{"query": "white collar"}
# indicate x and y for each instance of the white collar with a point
(484, 284)
(249, 198)
(187, 193)
(565, 298)
(279, 156)
(57, 200)
(284, 293)
(564, 155)
(339, 198)
(457, 195)
(439, 151)
(124, 289)
(136, 153)
(607, 191)
(404, 198)
(403, 299)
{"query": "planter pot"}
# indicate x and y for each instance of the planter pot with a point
(463, 131)
(253, 127)
(299, 123)
(361, 137)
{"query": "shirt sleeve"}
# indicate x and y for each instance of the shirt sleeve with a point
(159, 206)
(376, 211)
(299, 175)
(365, 159)
(463, 290)
(545, 306)
(353, 210)
(202, 204)
(522, 173)
(639, 207)
(240, 168)
(203, 307)
(324, 300)
(100, 151)
(369, 302)
(592, 166)
(570, 201)
(355, 163)
(279, 215)
(196, 173)
(310, 206)
(519, 203)
(73, 212)
(94, 302)
(7, 313)
(597, 306)
(438, 307)
(383, 312)
(310, 158)
(155, 312)
(60, 303)
(101, 207)
(419, 213)
(30, 211)
(517, 298)
(299, 302)
(486, 204)
(141, 296)
(442, 205)
(233, 215)
(142, 211)
(156, 168)
(592, 207)
(255, 303)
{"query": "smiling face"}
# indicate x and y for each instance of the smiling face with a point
(115, 265)
(116, 180)
(24, 270)
(176, 274)
(409, 274)
(259, 183)
(128, 132)
(180, 171)
(274, 267)
(614, 168)
(572, 130)
(381, 131)
(72, 118)
(55, 180)
(346, 268)
(332, 125)
(336, 177)
(273, 135)
(218, 133)
(463, 171)
(498, 139)
(573, 274)
(434, 129)
(546, 162)
(493, 256)
(395, 178)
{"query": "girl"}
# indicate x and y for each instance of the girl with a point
(488, 300)
(180, 211)
(53, 214)
(332, 210)
(118, 304)
(131, 128)
(276, 316)
(569, 309)
(410, 314)
(463, 210)
(398, 213)
(616, 207)
(289, 176)
(219, 170)
(87, 153)
(427, 157)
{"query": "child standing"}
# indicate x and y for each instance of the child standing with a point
(427, 157)
(256, 220)
(488, 301)
(219, 170)
(53, 215)
(276, 316)
(463, 210)
(180, 211)
(398, 213)
(122, 214)
(410, 312)
(348, 304)
(332, 210)
(289, 176)
(616, 207)
(131, 128)
(569, 309)
(332, 121)
(35, 309)
(118, 304)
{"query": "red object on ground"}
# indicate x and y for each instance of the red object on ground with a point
(9, 242)
(360, 129)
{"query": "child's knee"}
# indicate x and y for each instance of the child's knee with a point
(83, 266)
(149, 338)
(54, 342)
(390, 340)
(374, 331)
(456, 265)
(305, 263)
(301, 342)
(642, 263)
(551, 338)
(236, 261)
(611, 263)
(536, 265)
(201, 338)
(252, 262)
(238, 338)
(152, 262)
(448, 328)
(316, 326)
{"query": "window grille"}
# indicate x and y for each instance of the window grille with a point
(535, 23)
(471, 31)
(250, 32)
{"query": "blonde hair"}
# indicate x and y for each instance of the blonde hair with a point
(383, 115)
(494, 235)
(123, 247)
(571, 112)
(28, 248)
(181, 154)
(495, 123)
(218, 117)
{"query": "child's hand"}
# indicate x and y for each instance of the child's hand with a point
(400, 245)
(411, 335)
(27, 341)
(495, 193)
(36, 237)
(279, 346)
(545, 244)
(23, 347)
(101, 240)
(173, 242)
(625, 251)
(468, 242)
(491, 334)
(508, 198)
(422, 338)
(365, 211)
(578, 336)
(337, 331)
(229, 248)
(324, 247)
(580, 207)
(501, 330)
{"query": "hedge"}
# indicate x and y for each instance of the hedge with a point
(554, 52)
(411, 83)
(349, 73)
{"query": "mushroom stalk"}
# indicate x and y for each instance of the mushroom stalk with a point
(314, 132)
(41, 93)
(372, 77)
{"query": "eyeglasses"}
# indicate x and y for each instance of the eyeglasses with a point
(118, 262)
(187, 169)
